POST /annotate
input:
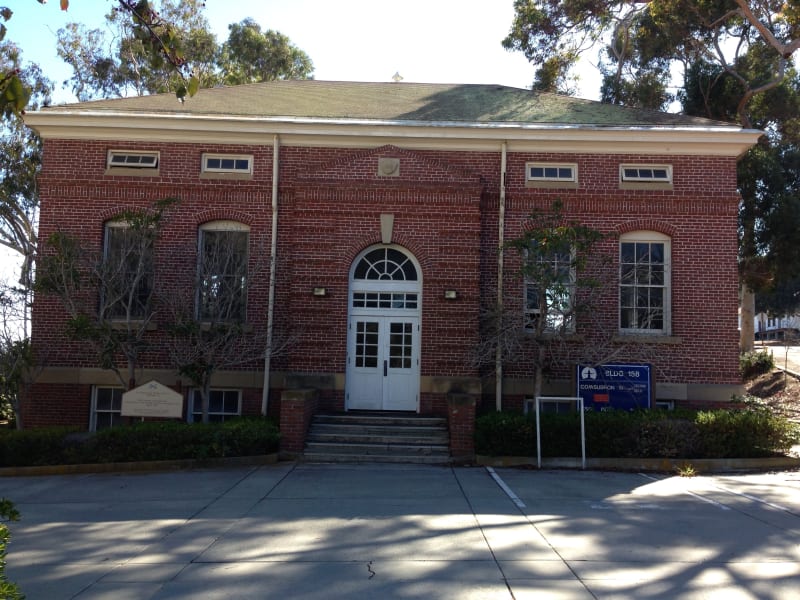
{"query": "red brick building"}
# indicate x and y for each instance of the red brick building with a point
(380, 209)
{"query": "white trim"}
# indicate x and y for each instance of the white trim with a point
(140, 154)
(646, 236)
(93, 405)
(204, 168)
(552, 165)
(638, 178)
(346, 133)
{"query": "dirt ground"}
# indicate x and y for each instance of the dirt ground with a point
(779, 390)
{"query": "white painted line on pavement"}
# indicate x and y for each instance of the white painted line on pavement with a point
(692, 494)
(754, 499)
(498, 480)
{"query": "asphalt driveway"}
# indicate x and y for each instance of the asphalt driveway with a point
(412, 532)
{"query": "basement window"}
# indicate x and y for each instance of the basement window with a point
(222, 405)
(132, 162)
(227, 165)
(645, 176)
(551, 175)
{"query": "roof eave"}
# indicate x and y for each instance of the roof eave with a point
(720, 140)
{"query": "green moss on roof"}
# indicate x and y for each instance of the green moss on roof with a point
(424, 102)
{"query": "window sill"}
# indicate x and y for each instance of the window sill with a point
(633, 338)
(122, 324)
(644, 185)
(131, 172)
(552, 185)
(228, 176)
(569, 336)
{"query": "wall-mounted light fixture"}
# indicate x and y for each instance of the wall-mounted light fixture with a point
(450, 294)
(320, 291)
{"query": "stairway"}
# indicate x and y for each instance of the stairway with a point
(378, 437)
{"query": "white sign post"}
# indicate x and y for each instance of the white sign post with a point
(579, 402)
(152, 400)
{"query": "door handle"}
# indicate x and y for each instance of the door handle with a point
(385, 370)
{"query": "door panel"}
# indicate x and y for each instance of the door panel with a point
(383, 363)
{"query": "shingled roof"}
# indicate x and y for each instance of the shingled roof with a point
(397, 102)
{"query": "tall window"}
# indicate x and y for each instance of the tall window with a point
(644, 283)
(549, 291)
(222, 271)
(127, 272)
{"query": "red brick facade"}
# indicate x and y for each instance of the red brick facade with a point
(445, 208)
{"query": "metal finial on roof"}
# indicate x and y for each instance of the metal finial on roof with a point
(397, 77)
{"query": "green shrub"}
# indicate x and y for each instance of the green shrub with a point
(33, 447)
(744, 433)
(755, 363)
(639, 434)
(8, 589)
(163, 440)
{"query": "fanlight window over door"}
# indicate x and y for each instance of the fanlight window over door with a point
(385, 264)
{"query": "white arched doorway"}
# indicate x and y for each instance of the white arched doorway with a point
(383, 332)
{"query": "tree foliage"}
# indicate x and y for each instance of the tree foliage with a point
(20, 159)
(642, 42)
(119, 61)
(251, 55)
(734, 59)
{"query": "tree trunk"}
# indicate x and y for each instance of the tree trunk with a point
(747, 317)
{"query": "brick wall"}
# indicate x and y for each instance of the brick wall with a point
(445, 213)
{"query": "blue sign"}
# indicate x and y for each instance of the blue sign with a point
(620, 386)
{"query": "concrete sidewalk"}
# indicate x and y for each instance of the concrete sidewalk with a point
(402, 531)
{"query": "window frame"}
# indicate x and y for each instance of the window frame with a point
(119, 225)
(133, 169)
(646, 237)
(221, 226)
(551, 182)
(645, 183)
(220, 172)
(93, 411)
(530, 314)
(195, 396)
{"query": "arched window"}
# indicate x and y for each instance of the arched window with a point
(127, 273)
(644, 282)
(385, 264)
(222, 271)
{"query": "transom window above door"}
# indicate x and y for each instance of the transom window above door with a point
(385, 264)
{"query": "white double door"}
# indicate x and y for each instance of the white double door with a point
(383, 362)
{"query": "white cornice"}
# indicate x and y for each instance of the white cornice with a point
(520, 137)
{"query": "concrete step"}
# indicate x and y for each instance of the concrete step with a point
(373, 419)
(378, 437)
(386, 437)
(375, 458)
(366, 448)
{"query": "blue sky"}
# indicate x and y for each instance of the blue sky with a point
(440, 41)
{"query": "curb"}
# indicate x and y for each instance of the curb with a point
(142, 466)
(700, 465)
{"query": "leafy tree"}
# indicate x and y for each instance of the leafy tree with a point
(128, 63)
(119, 284)
(20, 159)
(736, 51)
(125, 64)
(251, 55)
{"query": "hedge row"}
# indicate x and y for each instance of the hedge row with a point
(640, 434)
(167, 440)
